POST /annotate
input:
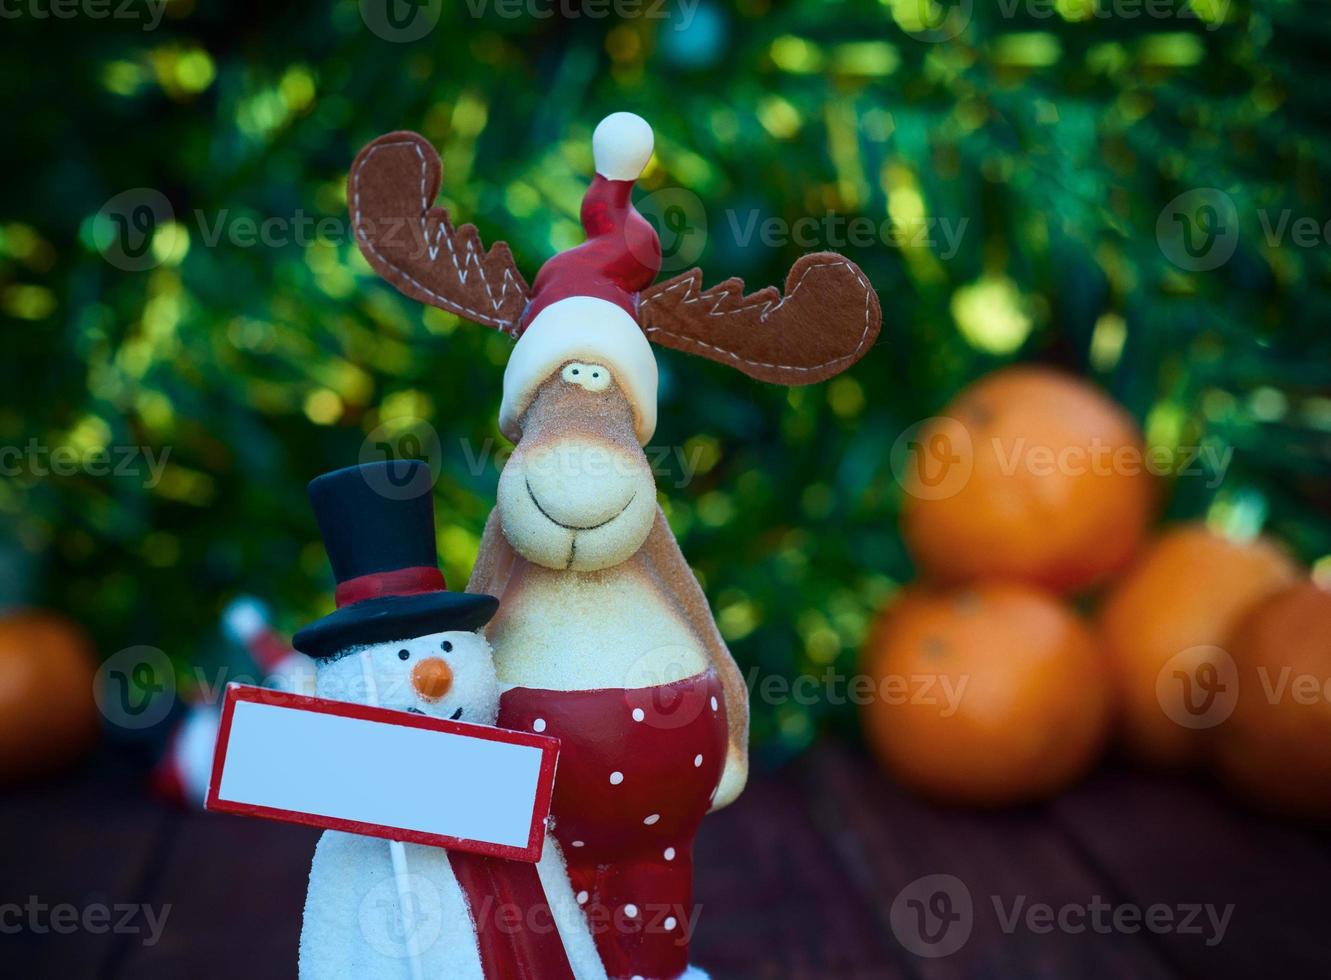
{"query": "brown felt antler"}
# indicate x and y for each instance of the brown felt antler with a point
(390, 190)
(827, 320)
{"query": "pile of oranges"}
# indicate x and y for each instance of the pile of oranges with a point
(1033, 489)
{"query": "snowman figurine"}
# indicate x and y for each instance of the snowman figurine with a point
(399, 639)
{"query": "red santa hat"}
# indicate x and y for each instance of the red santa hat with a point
(584, 302)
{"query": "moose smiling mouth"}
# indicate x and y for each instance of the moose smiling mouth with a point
(578, 527)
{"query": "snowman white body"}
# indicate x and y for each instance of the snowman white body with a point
(363, 921)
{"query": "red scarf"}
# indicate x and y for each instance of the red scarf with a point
(515, 927)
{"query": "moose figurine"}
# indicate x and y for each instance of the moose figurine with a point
(603, 637)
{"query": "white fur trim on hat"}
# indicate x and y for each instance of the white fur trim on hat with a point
(581, 328)
(622, 145)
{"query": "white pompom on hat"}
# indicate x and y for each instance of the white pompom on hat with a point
(244, 618)
(622, 145)
(584, 301)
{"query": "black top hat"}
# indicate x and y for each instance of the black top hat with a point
(380, 541)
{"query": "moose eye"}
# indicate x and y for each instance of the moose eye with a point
(446, 646)
(404, 655)
(592, 377)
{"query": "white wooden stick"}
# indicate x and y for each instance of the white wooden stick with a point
(396, 851)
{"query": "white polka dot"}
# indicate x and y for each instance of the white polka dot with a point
(616, 778)
(713, 702)
(631, 911)
(652, 819)
(670, 923)
(697, 761)
(670, 854)
(639, 714)
(582, 898)
(538, 725)
(578, 843)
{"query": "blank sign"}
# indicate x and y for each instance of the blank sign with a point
(383, 773)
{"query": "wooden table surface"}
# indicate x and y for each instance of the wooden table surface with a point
(822, 870)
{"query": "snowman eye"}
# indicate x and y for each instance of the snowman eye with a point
(446, 646)
(404, 655)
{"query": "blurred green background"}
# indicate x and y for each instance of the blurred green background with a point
(1022, 154)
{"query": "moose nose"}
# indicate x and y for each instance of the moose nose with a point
(582, 486)
(432, 678)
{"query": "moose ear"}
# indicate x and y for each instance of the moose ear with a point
(391, 191)
(827, 320)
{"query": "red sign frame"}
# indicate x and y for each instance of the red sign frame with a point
(549, 747)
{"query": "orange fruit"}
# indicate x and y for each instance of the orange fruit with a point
(1029, 474)
(1276, 746)
(1163, 627)
(48, 715)
(990, 694)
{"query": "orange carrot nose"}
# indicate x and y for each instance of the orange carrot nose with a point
(432, 678)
